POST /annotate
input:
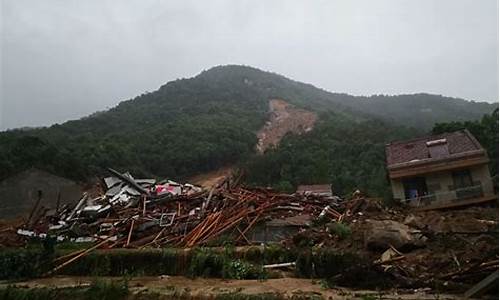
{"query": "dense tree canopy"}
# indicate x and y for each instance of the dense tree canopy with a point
(485, 131)
(347, 154)
(194, 125)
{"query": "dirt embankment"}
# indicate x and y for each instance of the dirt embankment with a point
(284, 118)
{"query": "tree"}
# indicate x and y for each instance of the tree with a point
(484, 130)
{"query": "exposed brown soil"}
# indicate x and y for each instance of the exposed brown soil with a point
(8, 235)
(212, 178)
(211, 287)
(284, 118)
(461, 245)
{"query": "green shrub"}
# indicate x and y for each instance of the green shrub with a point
(284, 187)
(15, 293)
(24, 263)
(253, 254)
(302, 240)
(107, 290)
(324, 263)
(275, 253)
(340, 229)
(206, 263)
(368, 297)
(102, 290)
(121, 262)
(238, 269)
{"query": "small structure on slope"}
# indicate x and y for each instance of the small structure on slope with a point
(440, 171)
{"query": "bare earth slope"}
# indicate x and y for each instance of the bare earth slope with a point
(284, 118)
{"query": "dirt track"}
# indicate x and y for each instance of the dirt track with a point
(204, 288)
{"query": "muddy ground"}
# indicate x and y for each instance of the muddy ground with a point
(170, 286)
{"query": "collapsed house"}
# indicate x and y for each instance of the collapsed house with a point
(439, 171)
(136, 213)
(413, 248)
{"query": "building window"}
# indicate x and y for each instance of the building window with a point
(464, 186)
(414, 187)
(462, 179)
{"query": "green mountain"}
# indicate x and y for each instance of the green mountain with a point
(190, 126)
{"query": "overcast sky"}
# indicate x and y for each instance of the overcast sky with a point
(65, 59)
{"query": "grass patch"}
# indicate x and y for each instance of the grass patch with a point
(15, 293)
(340, 229)
(99, 289)
(209, 263)
(107, 290)
(20, 263)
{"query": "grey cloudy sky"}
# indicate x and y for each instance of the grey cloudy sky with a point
(63, 59)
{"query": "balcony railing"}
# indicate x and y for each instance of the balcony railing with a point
(453, 196)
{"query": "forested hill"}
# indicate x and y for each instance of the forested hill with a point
(195, 125)
(412, 110)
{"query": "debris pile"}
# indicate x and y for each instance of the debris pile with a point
(138, 213)
(421, 249)
(459, 247)
(417, 249)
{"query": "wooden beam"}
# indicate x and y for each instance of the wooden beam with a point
(481, 286)
(76, 257)
(243, 235)
(290, 264)
(130, 232)
(35, 207)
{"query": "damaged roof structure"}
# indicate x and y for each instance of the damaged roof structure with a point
(438, 171)
(136, 213)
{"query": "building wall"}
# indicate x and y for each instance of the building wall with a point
(437, 182)
(441, 183)
(398, 192)
(482, 174)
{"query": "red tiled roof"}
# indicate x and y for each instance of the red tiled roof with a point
(405, 151)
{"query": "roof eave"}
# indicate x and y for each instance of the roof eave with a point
(436, 165)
